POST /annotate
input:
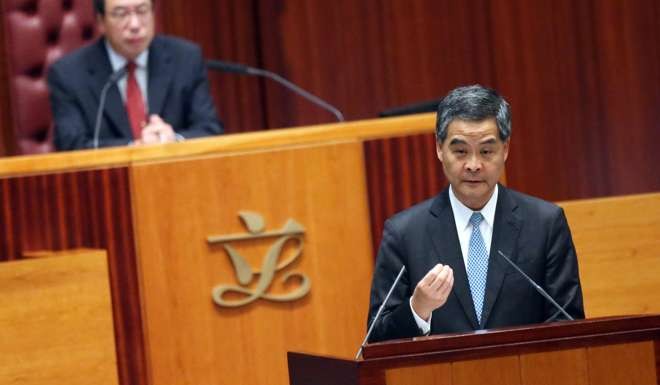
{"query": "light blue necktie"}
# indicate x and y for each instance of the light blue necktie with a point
(477, 265)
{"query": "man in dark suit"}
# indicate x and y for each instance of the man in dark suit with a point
(455, 279)
(164, 96)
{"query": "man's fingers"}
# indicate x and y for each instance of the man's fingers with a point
(430, 276)
(447, 284)
(441, 277)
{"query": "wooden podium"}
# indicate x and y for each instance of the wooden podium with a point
(183, 223)
(224, 252)
(614, 350)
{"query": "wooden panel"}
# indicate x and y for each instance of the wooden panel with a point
(81, 209)
(122, 156)
(56, 321)
(7, 140)
(618, 245)
(226, 30)
(497, 371)
(500, 370)
(437, 374)
(656, 345)
(623, 364)
(598, 96)
(401, 171)
(368, 58)
(365, 58)
(189, 339)
(550, 368)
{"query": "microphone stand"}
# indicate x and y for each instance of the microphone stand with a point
(380, 310)
(247, 70)
(537, 287)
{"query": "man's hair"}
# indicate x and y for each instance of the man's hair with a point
(473, 103)
(99, 6)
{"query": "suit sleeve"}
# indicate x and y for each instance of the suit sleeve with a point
(71, 129)
(396, 320)
(202, 119)
(562, 278)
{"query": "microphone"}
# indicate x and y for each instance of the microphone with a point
(242, 69)
(112, 79)
(380, 310)
(537, 287)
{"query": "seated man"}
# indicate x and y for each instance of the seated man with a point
(163, 96)
(456, 280)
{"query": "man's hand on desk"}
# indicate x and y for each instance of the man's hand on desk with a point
(156, 131)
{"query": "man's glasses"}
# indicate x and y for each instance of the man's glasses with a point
(122, 15)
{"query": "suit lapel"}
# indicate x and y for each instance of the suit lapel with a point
(505, 236)
(100, 70)
(442, 230)
(160, 76)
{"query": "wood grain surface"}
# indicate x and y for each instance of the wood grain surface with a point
(178, 204)
(56, 321)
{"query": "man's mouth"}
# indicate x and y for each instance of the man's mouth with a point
(134, 41)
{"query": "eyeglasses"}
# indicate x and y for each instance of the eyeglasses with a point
(122, 15)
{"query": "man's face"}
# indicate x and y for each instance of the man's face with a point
(128, 25)
(473, 157)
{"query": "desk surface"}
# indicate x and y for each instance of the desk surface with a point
(117, 156)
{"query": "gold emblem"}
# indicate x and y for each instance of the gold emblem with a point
(255, 225)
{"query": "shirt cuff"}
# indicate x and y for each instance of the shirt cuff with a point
(424, 326)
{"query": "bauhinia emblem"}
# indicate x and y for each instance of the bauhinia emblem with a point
(254, 222)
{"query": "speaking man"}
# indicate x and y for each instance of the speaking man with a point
(455, 279)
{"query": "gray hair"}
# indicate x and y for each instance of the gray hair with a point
(473, 103)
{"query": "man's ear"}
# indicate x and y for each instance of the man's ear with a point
(100, 26)
(438, 150)
(506, 149)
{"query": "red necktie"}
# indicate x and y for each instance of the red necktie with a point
(134, 102)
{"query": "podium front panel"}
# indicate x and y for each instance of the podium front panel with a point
(237, 222)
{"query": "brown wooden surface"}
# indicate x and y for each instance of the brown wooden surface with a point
(499, 370)
(401, 172)
(618, 246)
(526, 339)
(177, 204)
(56, 321)
(657, 359)
(438, 374)
(566, 352)
(623, 364)
(123, 156)
(587, 118)
(74, 210)
(559, 367)
(7, 140)
(226, 30)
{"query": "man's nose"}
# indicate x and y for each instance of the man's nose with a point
(134, 21)
(473, 164)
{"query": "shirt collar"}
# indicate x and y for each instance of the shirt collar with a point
(117, 61)
(462, 213)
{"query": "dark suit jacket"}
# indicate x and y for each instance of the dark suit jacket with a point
(177, 90)
(532, 232)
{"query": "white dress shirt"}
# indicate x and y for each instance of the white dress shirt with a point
(462, 215)
(141, 73)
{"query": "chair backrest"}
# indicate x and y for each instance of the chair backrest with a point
(37, 33)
